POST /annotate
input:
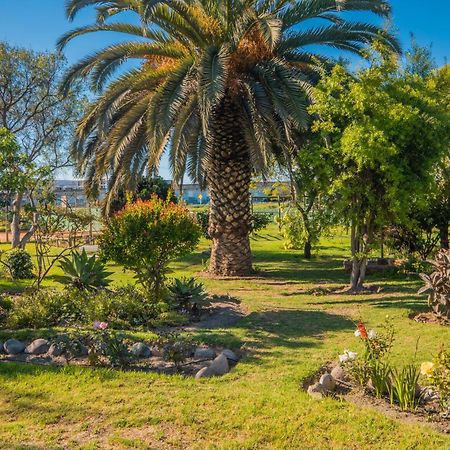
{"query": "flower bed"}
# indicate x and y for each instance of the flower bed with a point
(370, 379)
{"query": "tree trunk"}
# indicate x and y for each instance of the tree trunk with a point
(443, 234)
(228, 173)
(15, 222)
(307, 250)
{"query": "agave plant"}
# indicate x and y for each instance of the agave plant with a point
(84, 272)
(439, 284)
(187, 292)
(224, 85)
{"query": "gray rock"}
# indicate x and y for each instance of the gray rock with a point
(204, 353)
(204, 372)
(338, 373)
(429, 395)
(230, 355)
(13, 347)
(140, 350)
(55, 350)
(220, 365)
(38, 347)
(157, 351)
(328, 382)
(317, 390)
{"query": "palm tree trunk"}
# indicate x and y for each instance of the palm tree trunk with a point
(228, 175)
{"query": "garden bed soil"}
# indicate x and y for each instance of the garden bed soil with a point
(430, 317)
(154, 364)
(223, 311)
(425, 413)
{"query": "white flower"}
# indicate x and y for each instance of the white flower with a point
(357, 333)
(347, 356)
(372, 334)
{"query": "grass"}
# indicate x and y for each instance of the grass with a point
(288, 333)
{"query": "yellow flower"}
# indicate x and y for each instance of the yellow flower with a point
(427, 368)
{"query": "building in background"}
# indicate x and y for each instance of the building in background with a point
(72, 192)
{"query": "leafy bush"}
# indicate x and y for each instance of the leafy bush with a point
(84, 272)
(175, 349)
(5, 308)
(124, 308)
(439, 284)
(186, 294)
(438, 372)
(19, 265)
(44, 308)
(107, 346)
(146, 236)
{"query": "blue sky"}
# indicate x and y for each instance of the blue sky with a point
(37, 24)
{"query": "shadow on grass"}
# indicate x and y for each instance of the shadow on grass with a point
(410, 303)
(269, 332)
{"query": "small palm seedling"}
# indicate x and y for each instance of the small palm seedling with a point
(84, 272)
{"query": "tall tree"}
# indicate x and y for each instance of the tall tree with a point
(223, 83)
(386, 131)
(32, 108)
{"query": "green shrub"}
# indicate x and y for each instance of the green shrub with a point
(106, 346)
(124, 308)
(260, 221)
(146, 236)
(44, 308)
(84, 272)
(19, 265)
(175, 349)
(5, 308)
(438, 372)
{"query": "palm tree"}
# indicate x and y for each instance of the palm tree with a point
(224, 85)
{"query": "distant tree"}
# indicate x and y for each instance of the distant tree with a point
(311, 212)
(386, 132)
(41, 119)
(146, 188)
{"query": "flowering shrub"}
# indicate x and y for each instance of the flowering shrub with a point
(145, 236)
(105, 344)
(438, 372)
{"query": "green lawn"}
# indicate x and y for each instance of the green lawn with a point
(288, 335)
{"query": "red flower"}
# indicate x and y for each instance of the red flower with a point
(362, 330)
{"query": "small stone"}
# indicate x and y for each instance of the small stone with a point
(38, 347)
(230, 355)
(204, 372)
(157, 351)
(338, 373)
(204, 353)
(55, 350)
(13, 346)
(220, 365)
(328, 382)
(317, 390)
(140, 350)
